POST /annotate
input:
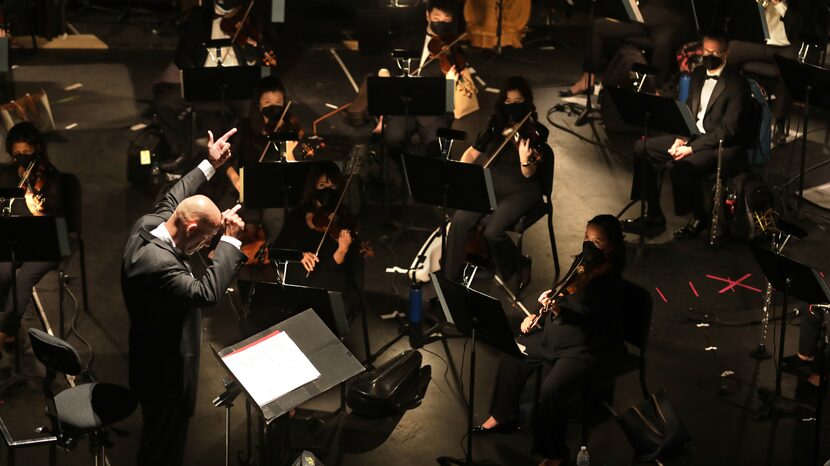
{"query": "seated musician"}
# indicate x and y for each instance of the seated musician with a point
(718, 96)
(665, 23)
(516, 180)
(398, 134)
(807, 362)
(213, 20)
(334, 266)
(250, 146)
(580, 333)
(789, 23)
(31, 170)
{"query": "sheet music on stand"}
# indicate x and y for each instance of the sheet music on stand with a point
(621, 10)
(270, 367)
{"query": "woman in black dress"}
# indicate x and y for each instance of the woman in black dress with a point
(516, 181)
(581, 333)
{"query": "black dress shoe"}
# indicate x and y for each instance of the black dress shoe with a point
(795, 365)
(499, 429)
(651, 224)
(691, 229)
(570, 93)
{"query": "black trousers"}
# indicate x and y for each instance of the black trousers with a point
(562, 377)
(163, 434)
(664, 27)
(28, 275)
(688, 176)
(511, 206)
(741, 53)
(808, 339)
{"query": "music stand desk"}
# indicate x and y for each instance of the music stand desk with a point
(281, 184)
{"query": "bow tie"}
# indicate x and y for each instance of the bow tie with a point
(712, 76)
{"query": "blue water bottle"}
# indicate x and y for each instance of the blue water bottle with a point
(683, 87)
(415, 304)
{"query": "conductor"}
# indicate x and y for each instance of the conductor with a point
(164, 302)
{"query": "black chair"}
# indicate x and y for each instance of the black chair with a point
(542, 209)
(71, 188)
(636, 308)
(79, 411)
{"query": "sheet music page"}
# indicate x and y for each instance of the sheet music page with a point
(271, 367)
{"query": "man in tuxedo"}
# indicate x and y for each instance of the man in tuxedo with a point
(718, 98)
(164, 302)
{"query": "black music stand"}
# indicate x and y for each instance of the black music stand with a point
(323, 349)
(808, 84)
(30, 239)
(620, 10)
(651, 112)
(451, 135)
(794, 279)
(480, 317)
(745, 21)
(407, 97)
(277, 185)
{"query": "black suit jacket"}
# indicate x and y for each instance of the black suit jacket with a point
(164, 303)
(725, 116)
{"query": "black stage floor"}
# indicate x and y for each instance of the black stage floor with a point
(706, 369)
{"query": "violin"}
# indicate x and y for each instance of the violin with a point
(529, 131)
(294, 150)
(576, 278)
(449, 54)
(33, 181)
(245, 34)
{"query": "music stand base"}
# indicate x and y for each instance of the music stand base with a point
(774, 406)
(760, 352)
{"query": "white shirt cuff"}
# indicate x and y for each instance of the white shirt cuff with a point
(231, 240)
(207, 169)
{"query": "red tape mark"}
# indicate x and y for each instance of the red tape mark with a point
(661, 294)
(734, 283)
(692, 286)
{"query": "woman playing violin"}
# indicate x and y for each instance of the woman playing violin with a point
(516, 182)
(581, 332)
(332, 267)
(30, 170)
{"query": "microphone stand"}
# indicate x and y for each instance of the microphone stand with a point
(588, 111)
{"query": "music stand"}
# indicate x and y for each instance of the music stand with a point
(794, 279)
(620, 10)
(746, 21)
(651, 112)
(30, 239)
(480, 317)
(276, 185)
(805, 83)
(322, 348)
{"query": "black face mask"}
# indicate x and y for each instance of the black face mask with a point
(711, 62)
(515, 112)
(272, 112)
(25, 160)
(442, 28)
(327, 198)
(591, 254)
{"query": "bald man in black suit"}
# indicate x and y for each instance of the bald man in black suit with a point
(164, 302)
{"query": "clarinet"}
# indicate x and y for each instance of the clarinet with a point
(716, 199)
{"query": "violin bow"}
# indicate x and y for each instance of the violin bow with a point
(244, 18)
(336, 208)
(279, 123)
(507, 139)
(443, 50)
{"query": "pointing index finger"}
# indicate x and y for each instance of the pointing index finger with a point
(227, 135)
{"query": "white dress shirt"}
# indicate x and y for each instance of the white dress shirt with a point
(706, 95)
(163, 234)
(777, 32)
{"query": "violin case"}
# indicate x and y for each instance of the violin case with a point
(392, 388)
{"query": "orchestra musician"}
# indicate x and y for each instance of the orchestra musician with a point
(665, 23)
(31, 170)
(718, 96)
(581, 332)
(789, 22)
(164, 302)
(398, 133)
(334, 266)
(516, 179)
(213, 20)
(807, 362)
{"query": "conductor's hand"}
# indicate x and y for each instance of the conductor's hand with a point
(526, 324)
(234, 226)
(219, 151)
(309, 261)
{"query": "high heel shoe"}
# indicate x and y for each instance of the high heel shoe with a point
(499, 429)
(570, 93)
